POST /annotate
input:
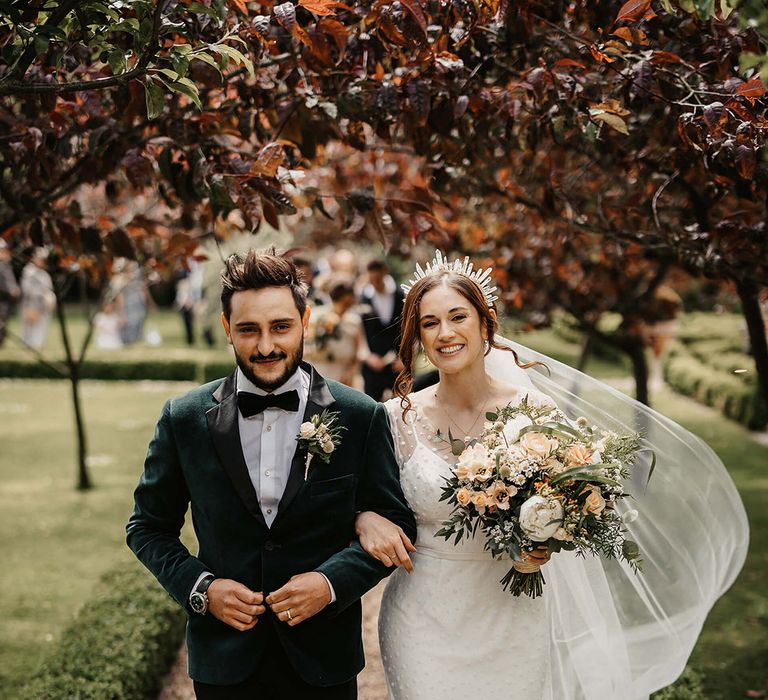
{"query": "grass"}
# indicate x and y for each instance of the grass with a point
(57, 542)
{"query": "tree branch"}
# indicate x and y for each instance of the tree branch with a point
(17, 87)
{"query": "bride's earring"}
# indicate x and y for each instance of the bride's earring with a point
(486, 345)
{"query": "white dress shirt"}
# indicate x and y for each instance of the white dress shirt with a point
(383, 302)
(268, 441)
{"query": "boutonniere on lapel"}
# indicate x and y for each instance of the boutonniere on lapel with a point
(320, 436)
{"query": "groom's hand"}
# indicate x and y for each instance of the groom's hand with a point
(235, 604)
(303, 596)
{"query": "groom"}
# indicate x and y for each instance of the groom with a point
(273, 594)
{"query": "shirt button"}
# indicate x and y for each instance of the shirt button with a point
(269, 428)
(269, 511)
(266, 473)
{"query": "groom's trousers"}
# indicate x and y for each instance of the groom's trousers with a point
(275, 680)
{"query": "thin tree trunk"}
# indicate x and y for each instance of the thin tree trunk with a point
(587, 343)
(73, 365)
(636, 351)
(750, 304)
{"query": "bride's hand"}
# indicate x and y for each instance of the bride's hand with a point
(384, 540)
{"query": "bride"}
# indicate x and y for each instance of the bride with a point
(600, 631)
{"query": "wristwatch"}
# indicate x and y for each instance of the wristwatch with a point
(198, 601)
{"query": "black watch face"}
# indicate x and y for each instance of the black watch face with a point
(197, 602)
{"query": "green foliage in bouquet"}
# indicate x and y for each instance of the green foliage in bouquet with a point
(534, 479)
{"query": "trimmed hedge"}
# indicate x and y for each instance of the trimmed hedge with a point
(715, 386)
(119, 646)
(687, 687)
(200, 371)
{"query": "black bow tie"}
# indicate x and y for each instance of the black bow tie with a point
(252, 404)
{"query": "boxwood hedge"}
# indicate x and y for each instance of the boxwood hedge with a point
(119, 646)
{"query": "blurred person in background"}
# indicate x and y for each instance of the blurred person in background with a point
(132, 299)
(306, 269)
(335, 336)
(189, 295)
(107, 326)
(382, 316)
(9, 289)
(38, 300)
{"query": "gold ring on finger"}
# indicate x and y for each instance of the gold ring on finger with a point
(288, 612)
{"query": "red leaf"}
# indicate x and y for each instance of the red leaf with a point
(633, 10)
(239, 5)
(336, 30)
(322, 7)
(270, 158)
(632, 35)
(599, 55)
(745, 160)
(414, 8)
(270, 214)
(568, 62)
(752, 89)
(665, 57)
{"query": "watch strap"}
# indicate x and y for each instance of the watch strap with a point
(202, 587)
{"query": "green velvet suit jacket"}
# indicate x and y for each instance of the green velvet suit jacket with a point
(195, 457)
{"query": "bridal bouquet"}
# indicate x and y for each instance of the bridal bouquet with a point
(534, 478)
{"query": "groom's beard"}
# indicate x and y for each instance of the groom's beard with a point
(292, 364)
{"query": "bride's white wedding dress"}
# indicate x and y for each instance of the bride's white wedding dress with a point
(600, 631)
(448, 631)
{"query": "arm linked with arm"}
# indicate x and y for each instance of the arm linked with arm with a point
(353, 571)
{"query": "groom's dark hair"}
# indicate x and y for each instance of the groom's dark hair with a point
(258, 270)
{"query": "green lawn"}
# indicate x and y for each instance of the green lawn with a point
(57, 542)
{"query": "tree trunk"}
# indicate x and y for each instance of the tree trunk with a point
(587, 343)
(73, 374)
(750, 304)
(636, 351)
(83, 478)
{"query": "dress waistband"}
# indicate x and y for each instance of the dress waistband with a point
(451, 554)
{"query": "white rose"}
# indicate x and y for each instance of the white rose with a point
(306, 430)
(511, 431)
(540, 518)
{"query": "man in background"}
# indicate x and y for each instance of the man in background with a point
(381, 325)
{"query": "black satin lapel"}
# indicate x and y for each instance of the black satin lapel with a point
(222, 424)
(318, 400)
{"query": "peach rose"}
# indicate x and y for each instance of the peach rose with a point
(475, 464)
(537, 444)
(499, 495)
(479, 499)
(464, 497)
(578, 455)
(594, 503)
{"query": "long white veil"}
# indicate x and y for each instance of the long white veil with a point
(617, 634)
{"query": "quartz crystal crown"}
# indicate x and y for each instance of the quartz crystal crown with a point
(482, 278)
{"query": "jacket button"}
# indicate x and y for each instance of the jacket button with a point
(269, 545)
